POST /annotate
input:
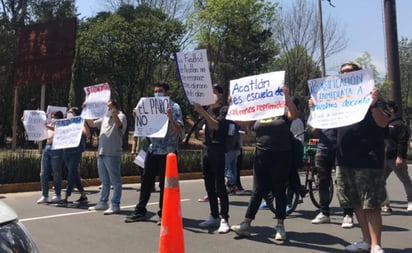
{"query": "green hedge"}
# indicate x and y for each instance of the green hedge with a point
(24, 166)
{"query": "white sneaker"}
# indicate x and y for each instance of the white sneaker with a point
(203, 199)
(347, 221)
(211, 222)
(358, 246)
(224, 226)
(100, 206)
(377, 249)
(321, 219)
(409, 208)
(280, 233)
(243, 229)
(55, 199)
(112, 210)
(386, 210)
(43, 200)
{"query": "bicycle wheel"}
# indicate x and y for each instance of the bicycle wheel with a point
(314, 189)
(292, 198)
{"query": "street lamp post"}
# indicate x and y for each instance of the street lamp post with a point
(322, 47)
(392, 51)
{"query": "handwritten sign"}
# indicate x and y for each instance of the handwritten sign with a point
(52, 108)
(34, 124)
(68, 133)
(151, 118)
(96, 101)
(257, 97)
(193, 69)
(340, 100)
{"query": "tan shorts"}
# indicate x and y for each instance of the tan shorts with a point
(360, 187)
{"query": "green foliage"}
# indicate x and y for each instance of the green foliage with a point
(405, 58)
(299, 67)
(237, 36)
(129, 49)
(19, 167)
(366, 62)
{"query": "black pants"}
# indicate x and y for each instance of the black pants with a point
(155, 165)
(214, 178)
(270, 175)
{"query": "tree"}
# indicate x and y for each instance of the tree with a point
(176, 9)
(296, 28)
(405, 59)
(299, 68)
(13, 16)
(237, 36)
(130, 49)
(366, 62)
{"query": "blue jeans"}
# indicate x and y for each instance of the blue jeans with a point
(72, 159)
(231, 166)
(51, 162)
(110, 175)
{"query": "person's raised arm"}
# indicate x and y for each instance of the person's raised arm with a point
(380, 117)
(177, 128)
(292, 112)
(212, 122)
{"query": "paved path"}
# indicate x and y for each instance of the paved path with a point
(59, 229)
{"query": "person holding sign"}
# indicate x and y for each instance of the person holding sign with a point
(112, 128)
(72, 157)
(51, 161)
(271, 166)
(216, 131)
(155, 162)
(360, 182)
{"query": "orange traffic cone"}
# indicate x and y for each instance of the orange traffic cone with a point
(171, 232)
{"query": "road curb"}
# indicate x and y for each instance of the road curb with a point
(35, 186)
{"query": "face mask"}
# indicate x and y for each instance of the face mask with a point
(69, 115)
(215, 97)
(159, 94)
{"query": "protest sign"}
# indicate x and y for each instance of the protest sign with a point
(151, 118)
(257, 97)
(67, 133)
(96, 101)
(52, 108)
(194, 74)
(140, 159)
(340, 100)
(34, 123)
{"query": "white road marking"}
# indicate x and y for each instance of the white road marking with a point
(83, 212)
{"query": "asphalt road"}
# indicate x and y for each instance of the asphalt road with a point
(74, 229)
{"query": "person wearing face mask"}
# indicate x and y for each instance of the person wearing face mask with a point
(51, 162)
(72, 157)
(112, 128)
(155, 162)
(214, 149)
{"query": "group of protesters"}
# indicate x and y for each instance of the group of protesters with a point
(359, 156)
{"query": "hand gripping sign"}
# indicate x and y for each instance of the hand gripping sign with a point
(340, 100)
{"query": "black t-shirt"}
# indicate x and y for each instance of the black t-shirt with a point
(219, 135)
(273, 134)
(327, 139)
(361, 145)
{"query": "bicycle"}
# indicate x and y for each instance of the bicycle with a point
(310, 186)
